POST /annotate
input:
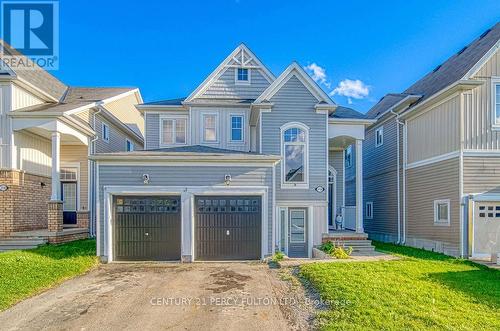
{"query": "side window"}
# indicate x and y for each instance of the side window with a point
(295, 154)
(130, 146)
(242, 76)
(442, 212)
(105, 132)
(496, 102)
(237, 128)
(173, 131)
(379, 137)
(369, 210)
(348, 157)
(210, 133)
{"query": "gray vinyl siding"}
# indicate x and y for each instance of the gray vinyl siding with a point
(294, 103)
(225, 87)
(481, 174)
(184, 176)
(380, 181)
(152, 124)
(426, 184)
(350, 180)
(336, 160)
(117, 139)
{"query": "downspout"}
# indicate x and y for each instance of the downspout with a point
(405, 163)
(92, 224)
(398, 123)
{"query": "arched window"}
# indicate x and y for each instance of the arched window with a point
(294, 152)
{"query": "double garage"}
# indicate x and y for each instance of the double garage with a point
(149, 228)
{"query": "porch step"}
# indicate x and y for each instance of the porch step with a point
(9, 244)
(359, 242)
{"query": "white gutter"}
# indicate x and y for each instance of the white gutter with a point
(398, 123)
(185, 157)
(405, 165)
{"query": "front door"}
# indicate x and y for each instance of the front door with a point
(68, 195)
(297, 232)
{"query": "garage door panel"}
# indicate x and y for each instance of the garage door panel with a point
(147, 228)
(228, 228)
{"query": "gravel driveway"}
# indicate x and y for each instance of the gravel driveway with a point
(198, 296)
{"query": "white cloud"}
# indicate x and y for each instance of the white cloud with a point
(351, 89)
(318, 73)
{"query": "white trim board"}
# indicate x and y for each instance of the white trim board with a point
(432, 160)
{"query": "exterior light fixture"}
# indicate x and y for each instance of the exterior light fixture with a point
(227, 179)
(145, 178)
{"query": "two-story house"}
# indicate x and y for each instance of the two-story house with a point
(431, 171)
(246, 165)
(47, 132)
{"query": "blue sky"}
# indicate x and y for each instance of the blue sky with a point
(365, 49)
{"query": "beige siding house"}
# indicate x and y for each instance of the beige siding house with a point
(47, 132)
(446, 197)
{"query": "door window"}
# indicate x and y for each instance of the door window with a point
(297, 226)
(69, 196)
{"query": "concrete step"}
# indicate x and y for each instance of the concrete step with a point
(7, 244)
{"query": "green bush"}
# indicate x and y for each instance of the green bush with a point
(336, 250)
(278, 256)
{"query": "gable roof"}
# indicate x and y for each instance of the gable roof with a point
(459, 66)
(77, 98)
(347, 113)
(228, 61)
(294, 69)
(31, 73)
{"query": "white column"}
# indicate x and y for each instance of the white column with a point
(56, 166)
(359, 186)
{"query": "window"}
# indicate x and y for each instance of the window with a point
(379, 137)
(130, 146)
(297, 226)
(236, 128)
(210, 128)
(173, 131)
(369, 210)
(496, 101)
(242, 76)
(68, 174)
(442, 212)
(348, 157)
(294, 153)
(105, 132)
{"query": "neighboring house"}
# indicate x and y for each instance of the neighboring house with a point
(47, 132)
(246, 165)
(447, 195)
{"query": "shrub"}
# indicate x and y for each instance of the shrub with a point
(336, 250)
(278, 256)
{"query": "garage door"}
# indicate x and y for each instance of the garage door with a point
(486, 231)
(147, 228)
(228, 228)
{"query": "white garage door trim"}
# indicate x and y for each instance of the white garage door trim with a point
(187, 194)
(480, 197)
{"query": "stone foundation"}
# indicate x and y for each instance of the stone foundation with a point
(23, 206)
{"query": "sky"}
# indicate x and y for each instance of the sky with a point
(357, 51)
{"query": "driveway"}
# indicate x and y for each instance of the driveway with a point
(198, 296)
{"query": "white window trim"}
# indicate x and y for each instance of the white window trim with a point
(494, 82)
(369, 203)
(243, 128)
(436, 221)
(304, 212)
(242, 82)
(173, 117)
(128, 141)
(104, 125)
(381, 131)
(217, 128)
(75, 165)
(305, 183)
(347, 165)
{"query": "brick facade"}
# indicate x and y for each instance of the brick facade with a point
(82, 219)
(55, 216)
(63, 237)
(23, 206)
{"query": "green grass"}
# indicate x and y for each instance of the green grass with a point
(422, 291)
(28, 272)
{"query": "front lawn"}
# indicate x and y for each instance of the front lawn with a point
(25, 273)
(422, 291)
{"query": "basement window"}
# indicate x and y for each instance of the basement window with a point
(442, 212)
